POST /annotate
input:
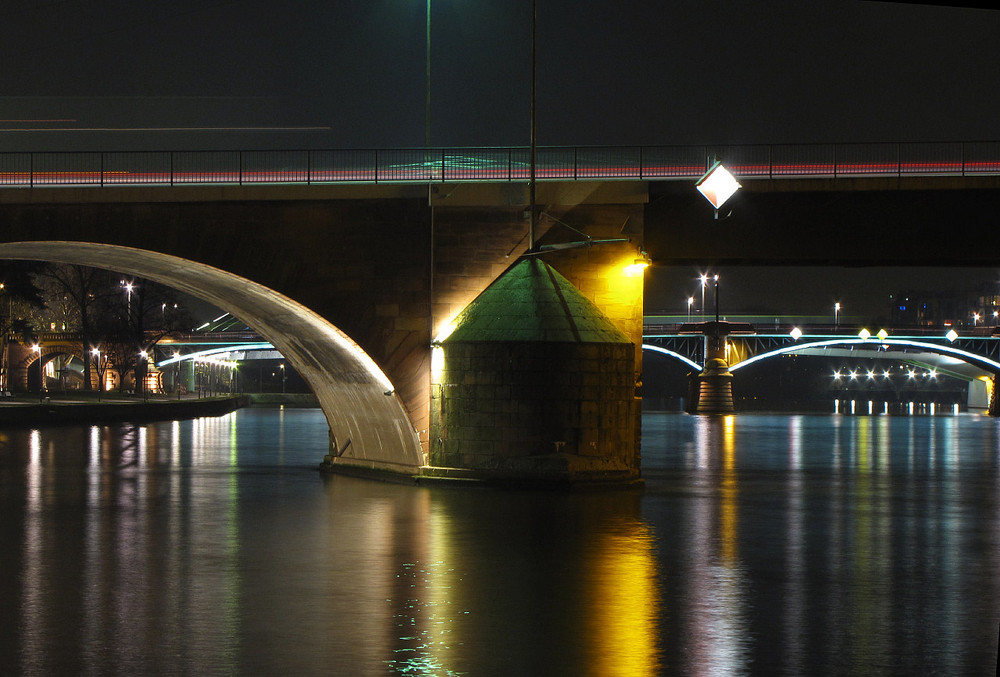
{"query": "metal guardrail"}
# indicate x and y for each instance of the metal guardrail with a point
(106, 168)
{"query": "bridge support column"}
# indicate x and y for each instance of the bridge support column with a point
(535, 386)
(715, 388)
(715, 383)
(992, 410)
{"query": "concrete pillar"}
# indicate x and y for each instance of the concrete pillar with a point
(715, 392)
(715, 383)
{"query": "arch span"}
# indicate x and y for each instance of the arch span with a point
(979, 361)
(670, 353)
(368, 422)
(34, 362)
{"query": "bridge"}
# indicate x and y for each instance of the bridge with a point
(972, 355)
(356, 265)
(174, 358)
(511, 164)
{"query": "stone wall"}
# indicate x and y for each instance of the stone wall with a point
(510, 406)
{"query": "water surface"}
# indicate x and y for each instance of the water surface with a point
(763, 545)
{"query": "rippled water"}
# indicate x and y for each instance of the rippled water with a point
(770, 545)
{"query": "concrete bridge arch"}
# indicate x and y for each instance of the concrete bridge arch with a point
(368, 421)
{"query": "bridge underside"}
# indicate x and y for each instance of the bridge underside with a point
(349, 283)
(907, 221)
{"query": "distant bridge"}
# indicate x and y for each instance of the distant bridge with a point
(979, 348)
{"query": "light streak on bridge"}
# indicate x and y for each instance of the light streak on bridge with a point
(103, 168)
(212, 354)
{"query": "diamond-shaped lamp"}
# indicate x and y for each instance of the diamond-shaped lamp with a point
(717, 185)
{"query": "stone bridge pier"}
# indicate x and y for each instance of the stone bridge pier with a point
(353, 284)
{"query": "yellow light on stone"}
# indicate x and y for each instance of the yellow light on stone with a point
(717, 185)
(639, 265)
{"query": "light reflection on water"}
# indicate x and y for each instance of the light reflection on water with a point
(789, 544)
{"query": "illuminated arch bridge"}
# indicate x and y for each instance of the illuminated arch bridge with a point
(974, 359)
(980, 352)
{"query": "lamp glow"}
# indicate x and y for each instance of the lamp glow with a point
(717, 185)
(639, 264)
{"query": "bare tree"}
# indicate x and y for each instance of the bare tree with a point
(135, 320)
(88, 290)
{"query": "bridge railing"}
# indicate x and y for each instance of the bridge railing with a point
(106, 168)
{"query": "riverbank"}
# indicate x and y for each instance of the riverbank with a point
(26, 410)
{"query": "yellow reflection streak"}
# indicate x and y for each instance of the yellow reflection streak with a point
(623, 633)
(729, 490)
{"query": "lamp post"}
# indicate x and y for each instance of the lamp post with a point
(716, 278)
(427, 133)
(282, 377)
(177, 373)
(37, 350)
(141, 366)
(96, 352)
(128, 287)
(690, 301)
(836, 315)
(704, 281)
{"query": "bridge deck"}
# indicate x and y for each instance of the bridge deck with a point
(102, 168)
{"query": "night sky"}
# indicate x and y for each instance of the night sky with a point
(203, 74)
(351, 74)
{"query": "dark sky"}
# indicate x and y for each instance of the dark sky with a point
(609, 72)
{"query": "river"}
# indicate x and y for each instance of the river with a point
(760, 545)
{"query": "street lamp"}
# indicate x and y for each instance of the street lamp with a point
(282, 365)
(177, 371)
(716, 278)
(37, 350)
(836, 315)
(690, 301)
(96, 352)
(140, 382)
(704, 281)
(128, 286)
